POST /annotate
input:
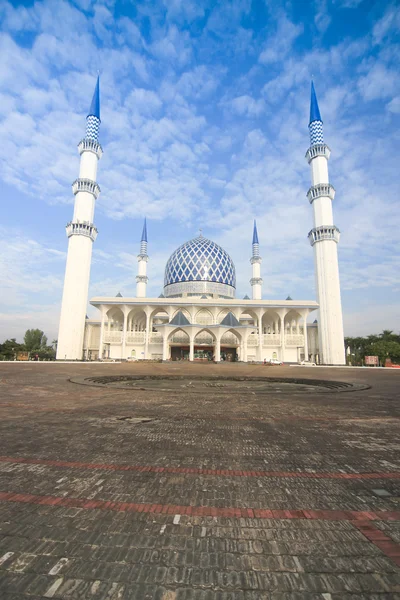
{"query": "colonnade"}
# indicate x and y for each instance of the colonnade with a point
(263, 322)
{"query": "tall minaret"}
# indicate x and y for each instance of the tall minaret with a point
(141, 277)
(255, 260)
(324, 238)
(81, 233)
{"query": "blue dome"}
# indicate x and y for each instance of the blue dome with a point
(201, 260)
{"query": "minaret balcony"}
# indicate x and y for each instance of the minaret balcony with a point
(90, 145)
(256, 281)
(322, 190)
(143, 257)
(325, 232)
(86, 185)
(318, 150)
(255, 260)
(85, 228)
(141, 279)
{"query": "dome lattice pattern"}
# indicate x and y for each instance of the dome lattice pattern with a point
(200, 259)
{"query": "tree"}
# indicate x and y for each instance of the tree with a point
(35, 340)
(9, 349)
(385, 350)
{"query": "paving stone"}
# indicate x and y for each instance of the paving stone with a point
(167, 509)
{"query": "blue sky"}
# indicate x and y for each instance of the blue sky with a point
(204, 108)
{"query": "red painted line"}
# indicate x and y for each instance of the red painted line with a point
(197, 471)
(361, 519)
(380, 539)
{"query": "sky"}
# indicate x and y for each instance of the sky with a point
(204, 110)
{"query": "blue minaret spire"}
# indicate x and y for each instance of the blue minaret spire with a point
(256, 246)
(93, 117)
(256, 281)
(315, 126)
(143, 241)
(141, 277)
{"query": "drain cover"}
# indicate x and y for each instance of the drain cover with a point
(134, 419)
(224, 385)
(381, 492)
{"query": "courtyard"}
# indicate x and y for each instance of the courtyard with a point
(187, 481)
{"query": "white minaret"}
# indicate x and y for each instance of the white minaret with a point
(141, 277)
(81, 233)
(256, 281)
(324, 238)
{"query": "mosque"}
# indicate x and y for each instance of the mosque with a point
(197, 316)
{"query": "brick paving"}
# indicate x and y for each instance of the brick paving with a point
(214, 497)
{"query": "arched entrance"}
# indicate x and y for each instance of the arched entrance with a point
(179, 344)
(230, 346)
(204, 346)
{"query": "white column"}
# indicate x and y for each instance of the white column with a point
(191, 351)
(81, 234)
(103, 314)
(147, 337)
(124, 330)
(305, 338)
(324, 238)
(244, 343)
(260, 339)
(282, 322)
(165, 344)
(141, 279)
(217, 348)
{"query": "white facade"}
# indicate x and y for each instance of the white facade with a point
(144, 329)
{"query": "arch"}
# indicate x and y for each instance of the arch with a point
(229, 341)
(271, 322)
(209, 332)
(204, 317)
(115, 319)
(245, 313)
(222, 314)
(292, 322)
(157, 316)
(176, 330)
(136, 320)
(184, 311)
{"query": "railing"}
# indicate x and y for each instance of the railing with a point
(113, 337)
(324, 232)
(87, 229)
(156, 338)
(91, 145)
(271, 339)
(180, 338)
(203, 320)
(320, 190)
(204, 338)
(86, 185)
(294, 340)
(229, 338)
(135, 337)
(318, 150)
(252, 340)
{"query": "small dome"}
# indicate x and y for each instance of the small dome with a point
(200, 266)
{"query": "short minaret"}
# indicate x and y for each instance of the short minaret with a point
(324, 238)
(141, 278)
(256, 281)
(81, 234)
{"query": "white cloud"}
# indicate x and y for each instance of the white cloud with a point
(196, 130)
(247, 106)
(279, 44)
